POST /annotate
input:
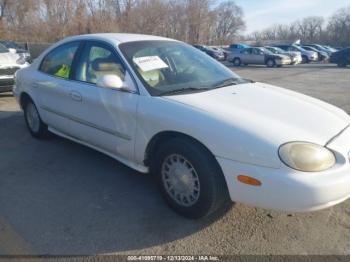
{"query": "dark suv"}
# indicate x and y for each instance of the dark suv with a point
(341, 58)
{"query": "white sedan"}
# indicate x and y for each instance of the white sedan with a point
(161, 106)
(10, 62)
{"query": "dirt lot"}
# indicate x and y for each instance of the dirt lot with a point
(58, 197)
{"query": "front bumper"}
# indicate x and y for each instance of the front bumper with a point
(283, 61)
(313, 58)
(220, 58)
(286, 189)
(297, 60)
(6, 83)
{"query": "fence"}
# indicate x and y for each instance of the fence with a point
(35, 49)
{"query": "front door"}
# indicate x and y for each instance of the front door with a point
(258, 56)
(103, 117)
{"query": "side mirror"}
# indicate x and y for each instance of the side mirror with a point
(110, 81)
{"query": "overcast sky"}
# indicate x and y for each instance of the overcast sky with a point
(260, 14)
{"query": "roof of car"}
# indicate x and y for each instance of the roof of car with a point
(120, 37)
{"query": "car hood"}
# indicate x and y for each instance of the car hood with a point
(22, 50)
(270, 113)
(293, 53)
(8, 59)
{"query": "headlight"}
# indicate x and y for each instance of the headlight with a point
(21, 60)
(307, 157)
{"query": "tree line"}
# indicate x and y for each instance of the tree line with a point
(211, 22)
(193, 21)
(314, 29)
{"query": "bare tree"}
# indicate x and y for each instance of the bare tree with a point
(338, 27)
(194, 21)
(228, 23)
(3, 6)
(310, 28)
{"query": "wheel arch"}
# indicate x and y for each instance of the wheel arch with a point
(24, 98)
(158, 139)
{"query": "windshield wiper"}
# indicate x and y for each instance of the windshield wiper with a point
(232, 81)
(183, 90)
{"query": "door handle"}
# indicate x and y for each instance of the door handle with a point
(76, 96)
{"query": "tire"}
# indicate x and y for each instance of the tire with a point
(270, 63)
(237, 61)
(35, 125)
(305, 59)
(183, 166)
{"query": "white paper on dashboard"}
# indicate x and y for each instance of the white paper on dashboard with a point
(149, 63)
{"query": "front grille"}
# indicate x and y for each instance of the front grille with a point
(8, 71)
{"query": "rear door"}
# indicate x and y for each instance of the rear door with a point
(246, 55)
(53, 86)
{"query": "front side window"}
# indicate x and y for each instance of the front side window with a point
(257, 51)
(96, 61)
(168, 66)
(59, 61)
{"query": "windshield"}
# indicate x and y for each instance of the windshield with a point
(273, 50)
(319, 48)
(278, 50)
(169, 66)
(266, 51)
(330, 48)
(309, 48)
(3, 49)
(298, 48)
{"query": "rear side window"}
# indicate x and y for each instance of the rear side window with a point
(59, 61)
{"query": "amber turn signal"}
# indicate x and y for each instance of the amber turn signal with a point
(249, 180)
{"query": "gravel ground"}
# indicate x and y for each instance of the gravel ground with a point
(58, 197)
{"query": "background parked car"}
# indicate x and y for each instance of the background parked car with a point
(322, 56)
(9, 64)
(294, 56)
(14, 48)
(341, 58)
(235, 48)
(332, 49)
(307, 56)
(218, 55)
(320, 48)
(258, 56)
(219, 49)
